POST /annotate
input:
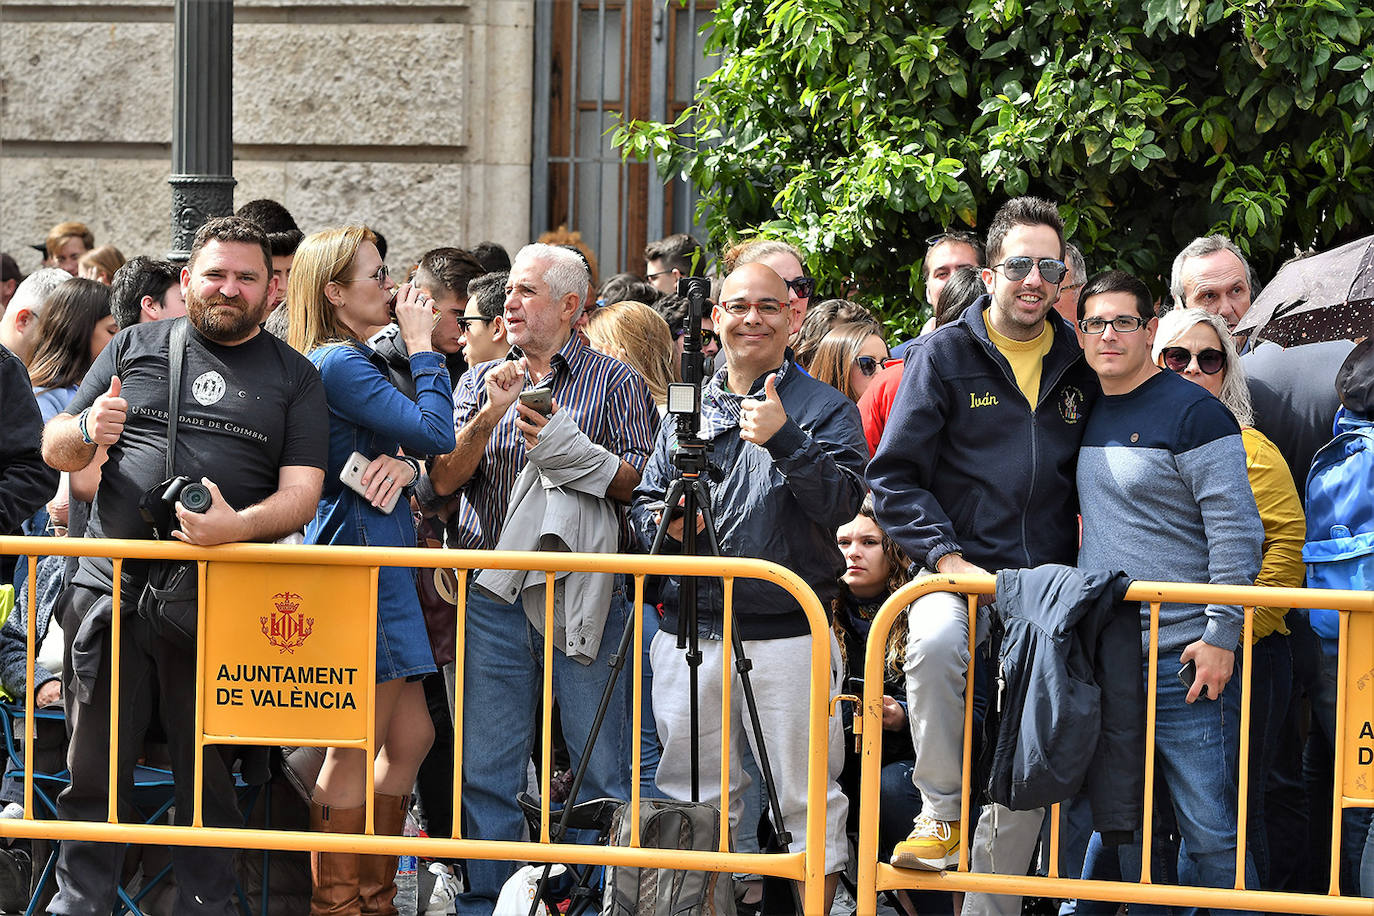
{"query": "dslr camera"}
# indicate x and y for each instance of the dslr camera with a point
(158, 505)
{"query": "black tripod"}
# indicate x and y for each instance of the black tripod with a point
(687, 495)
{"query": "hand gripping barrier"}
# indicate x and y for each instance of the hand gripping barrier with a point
(303, 620)
(1353, 785)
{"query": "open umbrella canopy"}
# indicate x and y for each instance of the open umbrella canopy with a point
(1328, 296)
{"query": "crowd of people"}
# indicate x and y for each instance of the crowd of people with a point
(1060, 429)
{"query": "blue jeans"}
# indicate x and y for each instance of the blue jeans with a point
(1197, 752)
(502, 684)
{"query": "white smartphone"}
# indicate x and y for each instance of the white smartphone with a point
(352, 475)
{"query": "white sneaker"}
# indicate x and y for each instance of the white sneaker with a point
(446, 890)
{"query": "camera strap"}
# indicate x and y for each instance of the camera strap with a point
(176, 353)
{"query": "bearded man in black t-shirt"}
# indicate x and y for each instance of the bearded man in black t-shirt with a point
(252, 412)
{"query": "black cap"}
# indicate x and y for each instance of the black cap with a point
(1355, 380)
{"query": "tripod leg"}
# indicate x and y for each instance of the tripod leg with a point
(675, 491)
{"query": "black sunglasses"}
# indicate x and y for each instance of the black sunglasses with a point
(1052, 270)
(708, 336)
(1210, 361)
(868, 365)
(802, 286)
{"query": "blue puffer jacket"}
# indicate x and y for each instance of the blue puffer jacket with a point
(1069, 698)
(967, 466)
(781, 501)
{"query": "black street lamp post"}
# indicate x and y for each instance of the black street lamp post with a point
(202, 127)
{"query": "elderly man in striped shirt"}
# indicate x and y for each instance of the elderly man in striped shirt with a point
(611, 405)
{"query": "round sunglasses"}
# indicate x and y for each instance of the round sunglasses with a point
(1210, 361)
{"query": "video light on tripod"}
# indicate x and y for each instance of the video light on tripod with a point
(682, 399)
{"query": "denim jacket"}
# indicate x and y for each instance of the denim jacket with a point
(368, 414)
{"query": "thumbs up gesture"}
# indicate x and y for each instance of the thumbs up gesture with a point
(105, 422)
(759, 420)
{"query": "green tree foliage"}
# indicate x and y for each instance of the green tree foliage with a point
(859, 127)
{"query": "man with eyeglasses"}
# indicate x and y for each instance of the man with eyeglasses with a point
(787, 468)
(483, 324)
(974, 474)
(785, 261)
(673, 308)
(1165, 495)
(669, 260)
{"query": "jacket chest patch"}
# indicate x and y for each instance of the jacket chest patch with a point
(1071, 404)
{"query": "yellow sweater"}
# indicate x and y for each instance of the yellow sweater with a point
(1285, 527)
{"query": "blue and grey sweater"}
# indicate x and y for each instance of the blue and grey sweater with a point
(1164, 496)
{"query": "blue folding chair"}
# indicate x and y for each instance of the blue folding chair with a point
(153, 797)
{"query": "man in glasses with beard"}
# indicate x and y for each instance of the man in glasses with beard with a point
(975, 473)
(252, 409)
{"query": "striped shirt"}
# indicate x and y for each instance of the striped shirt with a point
(608, 400)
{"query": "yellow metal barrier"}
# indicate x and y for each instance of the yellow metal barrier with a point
(241, 581)
(1353, 785)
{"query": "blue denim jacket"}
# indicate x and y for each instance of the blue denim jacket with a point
(368, 414)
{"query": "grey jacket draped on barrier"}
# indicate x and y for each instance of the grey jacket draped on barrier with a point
(559, 503)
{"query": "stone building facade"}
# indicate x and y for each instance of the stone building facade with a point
(412, 116)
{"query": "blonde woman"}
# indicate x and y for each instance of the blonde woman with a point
(639, 337)
(340, 293)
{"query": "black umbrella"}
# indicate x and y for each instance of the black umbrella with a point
(1328, 296)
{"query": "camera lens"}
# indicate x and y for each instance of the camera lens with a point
(195, 497)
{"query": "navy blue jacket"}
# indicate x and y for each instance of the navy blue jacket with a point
(1070, 698)
(781, 501)
(965, 464)
(26, 482)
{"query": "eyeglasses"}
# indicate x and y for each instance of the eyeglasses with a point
(1121, 324)
(379, 277)
(1052, 270)
(661, 273)
(868, 365)
(1210, 361)
(802, 286)
(766, 307)
(708, 336)
(465, 321)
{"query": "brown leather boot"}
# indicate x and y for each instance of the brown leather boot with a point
(334, 875)
(377, 874)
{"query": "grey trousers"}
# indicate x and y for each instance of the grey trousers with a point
(937, 665)
(152, 669)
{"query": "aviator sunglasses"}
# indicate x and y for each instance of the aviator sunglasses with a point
(1052, 270)
(1210, 361)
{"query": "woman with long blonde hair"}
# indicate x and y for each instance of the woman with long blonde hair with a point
(639, 337)
(340, 294)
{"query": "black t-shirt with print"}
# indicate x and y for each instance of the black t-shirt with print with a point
(246, 411)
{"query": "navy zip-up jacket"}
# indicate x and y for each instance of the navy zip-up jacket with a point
(966, 465)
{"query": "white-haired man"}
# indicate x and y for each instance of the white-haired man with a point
(612, 428)
(19, 324)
